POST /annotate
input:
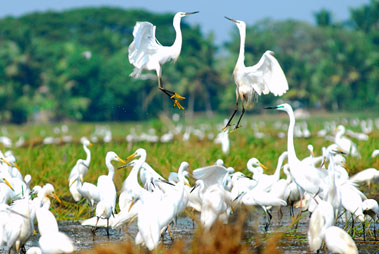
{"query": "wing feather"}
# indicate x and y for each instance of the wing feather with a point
(267, 76)
(210, 175)
(144, 44)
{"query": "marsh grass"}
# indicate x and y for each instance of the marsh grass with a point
(53, 163)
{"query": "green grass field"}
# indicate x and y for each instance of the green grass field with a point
(53, 163)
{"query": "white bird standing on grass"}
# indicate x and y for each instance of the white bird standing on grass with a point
(146, 53)
(80, 169)
(264, 77)
(105, 185)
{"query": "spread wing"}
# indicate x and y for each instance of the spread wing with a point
(267, 76)
(210, 175)
(144, 44)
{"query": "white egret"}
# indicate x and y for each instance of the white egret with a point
(146, 53)
(80, 169)
(154, 213)
(370, 208)
(338, 241)
(87, 190)
(105, 185)
(265, 181)
(51, 240)
(266, 76)
(375, 153)
(344, 143)
(321, 219)
(307, 177)
(367, 175)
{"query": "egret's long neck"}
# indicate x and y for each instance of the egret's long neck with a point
(290, 146)
(134, 173)
(241, 56)
(88, 152)
(110, 169)
(279, 166)
(177, 46)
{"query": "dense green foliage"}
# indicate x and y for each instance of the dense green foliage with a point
(45, 75)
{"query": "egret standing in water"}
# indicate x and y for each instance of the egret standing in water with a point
(266, 76)
(146, 53)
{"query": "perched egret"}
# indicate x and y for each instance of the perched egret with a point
(338, 241)
(51, 240)
(321, 219)
(146, 53)
(87, 190)
(367, 175)
(266, 76)
(80, 169)
(307, 177)
(105, 185)
(344, 143)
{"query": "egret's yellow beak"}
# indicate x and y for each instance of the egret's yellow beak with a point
(72, 183)
(18, 167)
(132, 204)
(56, 198)
(187, 184)
(131, 156)
(341, 151)
(7, 183)
(345, 167)
(6, 162)
(90, 144)
(313, 155)
(323, 162)
(119, 159)
(263, 166)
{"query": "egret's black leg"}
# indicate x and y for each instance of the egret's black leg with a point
(108, 228)
(231, 118)
(364, 230)
(239, 120)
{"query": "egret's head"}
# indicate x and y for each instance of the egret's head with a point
(255, 162)
(140, 152)
(283, 107)
(183, 14)
(50, 192)
(240, 24)
(85, 141)
(112, 156)
(340, 129)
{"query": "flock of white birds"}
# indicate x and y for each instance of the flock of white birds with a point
(325, 191)
(320, 185)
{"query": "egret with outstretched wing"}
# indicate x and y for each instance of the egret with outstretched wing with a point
(264, 77)
(146, 53)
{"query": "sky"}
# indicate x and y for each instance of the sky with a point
(212, 12)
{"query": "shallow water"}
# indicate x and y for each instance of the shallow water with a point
(293, 242)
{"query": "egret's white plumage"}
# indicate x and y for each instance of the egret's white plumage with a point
(264, 77)
(146, 53)
(80, 169)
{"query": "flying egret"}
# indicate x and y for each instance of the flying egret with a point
(146, 53)
(80, 169)
(266, 76)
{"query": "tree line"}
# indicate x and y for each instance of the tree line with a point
(74, 64)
